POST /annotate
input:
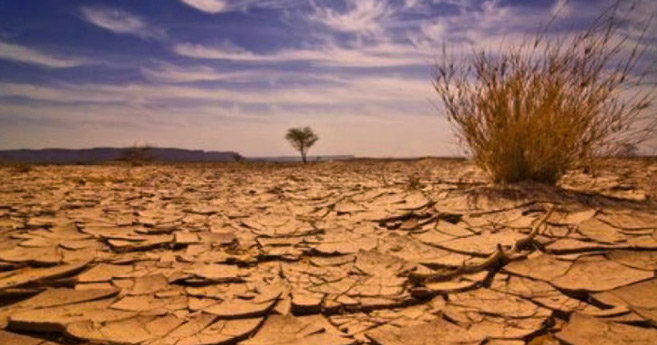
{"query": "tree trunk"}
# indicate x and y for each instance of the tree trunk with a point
(302, 151)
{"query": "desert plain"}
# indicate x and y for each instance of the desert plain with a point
(415, 252)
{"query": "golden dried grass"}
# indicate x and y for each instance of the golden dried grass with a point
(534, 111)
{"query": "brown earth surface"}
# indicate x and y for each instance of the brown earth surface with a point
(362, 252)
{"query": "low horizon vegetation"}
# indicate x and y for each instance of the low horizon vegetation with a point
(534, 111)
(137, 155)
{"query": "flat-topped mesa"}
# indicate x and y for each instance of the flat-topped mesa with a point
(109, 154)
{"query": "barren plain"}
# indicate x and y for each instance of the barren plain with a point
(363, 252)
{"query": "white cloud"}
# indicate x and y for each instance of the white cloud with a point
(342, 91)
(411, 3)
(209, 6)
(226, 51)
(28, 55)
(362, 16)
(120, 22)
(378, 55)
(219, 6)
(168, 73)
(488, 25)
(435, 31)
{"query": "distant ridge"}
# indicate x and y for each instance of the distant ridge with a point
(109, 154)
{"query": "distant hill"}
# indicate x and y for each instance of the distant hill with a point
(108, 154)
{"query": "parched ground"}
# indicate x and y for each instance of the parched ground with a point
(365, 252)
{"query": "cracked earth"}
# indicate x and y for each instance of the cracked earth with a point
(371, 252)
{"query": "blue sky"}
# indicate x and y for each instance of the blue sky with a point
(235, 74)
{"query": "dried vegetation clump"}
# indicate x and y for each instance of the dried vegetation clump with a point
(18, 167)
(137, 155)
(534, 111)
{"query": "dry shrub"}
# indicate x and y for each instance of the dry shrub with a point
(414, 182)
(21, 167)
(137, 155)
(534, 111)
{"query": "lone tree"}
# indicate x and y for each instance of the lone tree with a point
(301, 139)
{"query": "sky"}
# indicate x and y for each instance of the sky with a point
(236, 74)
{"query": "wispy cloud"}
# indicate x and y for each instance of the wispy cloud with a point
(169, 73)
(23, 54)
(209, 6)
(395, 42)
(488, 25)
(362, 16)
(342, 90)
(219, 6)
(120, 22)
(378, 55)
(164, 72)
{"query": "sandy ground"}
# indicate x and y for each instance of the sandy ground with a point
(369, 252)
